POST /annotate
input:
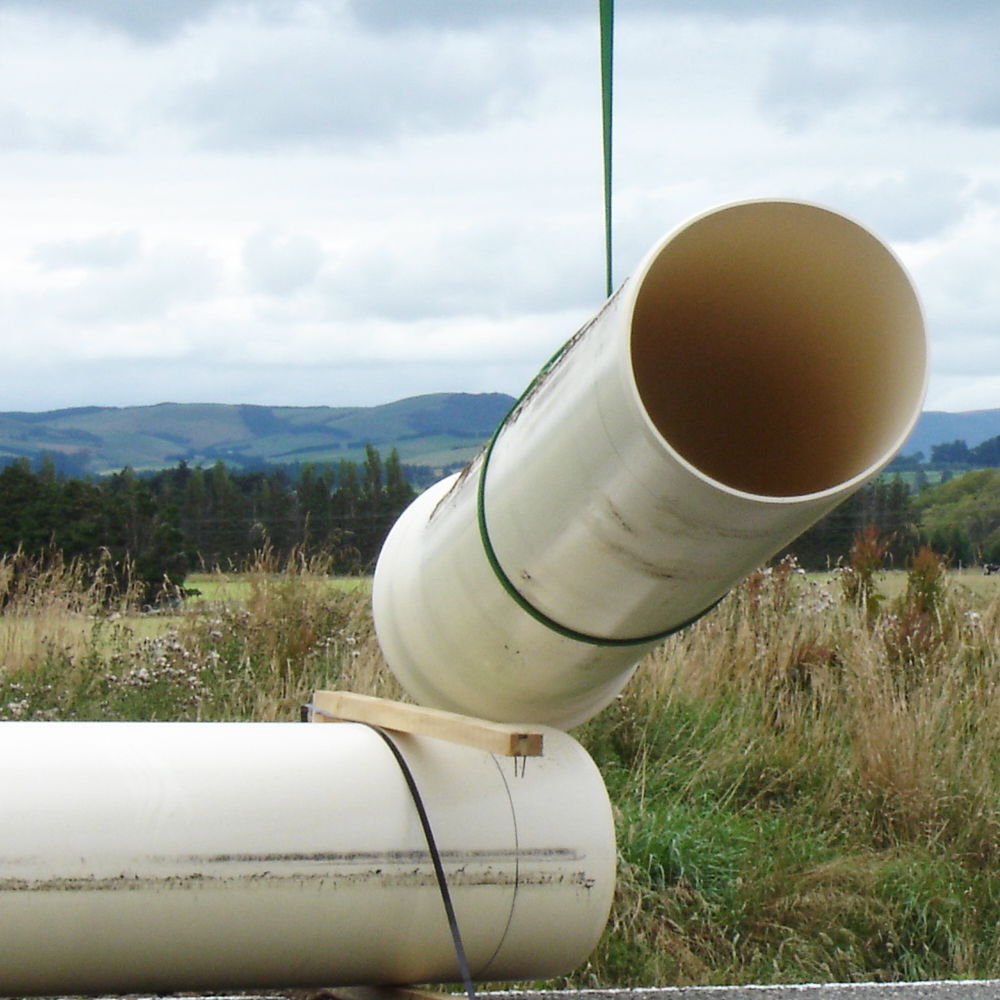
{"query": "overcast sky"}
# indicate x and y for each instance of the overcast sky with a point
(345, 202)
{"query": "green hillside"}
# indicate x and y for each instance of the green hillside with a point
(440, 430)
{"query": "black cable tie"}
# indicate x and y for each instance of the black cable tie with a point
(449, 909)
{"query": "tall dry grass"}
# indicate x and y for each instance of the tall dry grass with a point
(73, 648)
(48, 606)
(289, 635)
(810, 790)
(900, 709)
(806, 782)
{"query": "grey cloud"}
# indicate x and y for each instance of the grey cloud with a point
(101, 251)
(156, 20)
(19, 131)
(145, 20)
(390, 15)
(872, 72)
(907, 58)
(16, 130)
(803, 89)
(493, 272)
(280, 265)
(906, 10)
(335, 90)
(969, 351)
(145, 288)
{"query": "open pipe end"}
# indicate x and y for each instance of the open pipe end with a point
(778, 348)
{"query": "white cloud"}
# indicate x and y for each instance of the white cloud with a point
(141, 289)
(279, 264)
(112, 249)
(313, 82)
(103, 299)
(328, 201)
(498, 269)
(960, 394)
(913, 205)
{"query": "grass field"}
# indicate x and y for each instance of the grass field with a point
(806, 783)
(208, 588)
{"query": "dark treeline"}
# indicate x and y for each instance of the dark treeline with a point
(168, 523)
(982, 456)
(76, 466)
(342, 511)
(160, 526)
(886, 505)
(959, 520)
(952, 456)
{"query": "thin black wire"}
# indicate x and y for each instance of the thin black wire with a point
(449, 909)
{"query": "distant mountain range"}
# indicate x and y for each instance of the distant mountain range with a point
(441, 431)
(973, 427)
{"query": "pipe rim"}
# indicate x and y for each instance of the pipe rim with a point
(632, 287)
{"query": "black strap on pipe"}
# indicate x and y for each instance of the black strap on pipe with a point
(425, 823)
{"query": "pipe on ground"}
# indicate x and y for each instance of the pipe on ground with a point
(153, 857)
(766, 360)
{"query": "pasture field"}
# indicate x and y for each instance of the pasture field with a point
(237, 587)
(806, 782)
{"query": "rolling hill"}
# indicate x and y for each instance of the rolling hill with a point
(934, 427)
(440, 430)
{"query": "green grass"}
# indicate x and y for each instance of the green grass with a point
(237, 587)
(804, 789)
(893, 582)
(808, 793)
(740, 863)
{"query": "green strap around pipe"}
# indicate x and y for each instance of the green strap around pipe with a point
(607, 52)
(505, 581)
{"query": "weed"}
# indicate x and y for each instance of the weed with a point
(865, 561)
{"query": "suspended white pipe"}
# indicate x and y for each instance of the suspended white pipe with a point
(163, 857)
(767, 359)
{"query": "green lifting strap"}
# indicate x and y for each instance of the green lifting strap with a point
(607, 53)
(607, 31)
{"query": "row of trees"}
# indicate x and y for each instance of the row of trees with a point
(952, 456)
(157, 528)
(959, 519)
(983, 456)
(343, 511)
(886, 505)
(962, 517)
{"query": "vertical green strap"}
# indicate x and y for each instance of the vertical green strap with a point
(607, 52)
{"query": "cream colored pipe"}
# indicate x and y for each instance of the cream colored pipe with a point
(162, 857)
(766, 359)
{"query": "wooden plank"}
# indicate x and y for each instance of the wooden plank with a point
(493, 737)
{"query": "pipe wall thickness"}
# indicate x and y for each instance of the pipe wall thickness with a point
(767, 359)
(151, 857)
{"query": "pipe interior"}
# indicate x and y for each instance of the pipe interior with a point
(778, 348)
